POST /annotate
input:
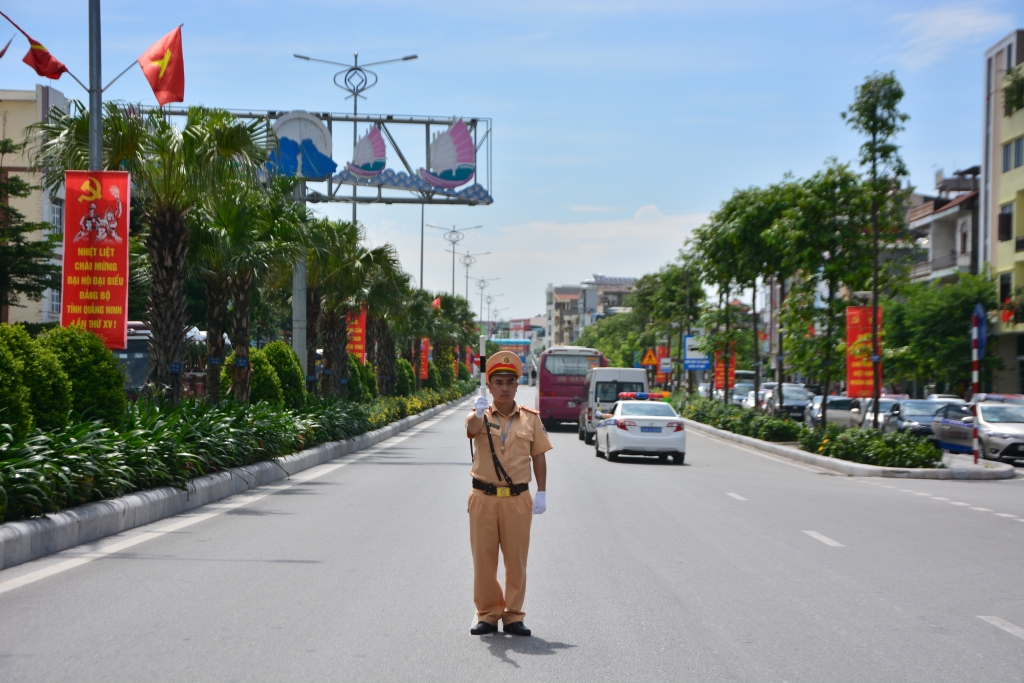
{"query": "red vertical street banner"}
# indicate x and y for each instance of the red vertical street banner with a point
(455, 362)
(661, 377)
(469, 360)
(720, 374)
(94, 283)
(860, 381)
(424, 358)
(357, 334)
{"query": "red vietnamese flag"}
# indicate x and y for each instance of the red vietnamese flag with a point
(164, 68)
(436, 303)
(38, 57)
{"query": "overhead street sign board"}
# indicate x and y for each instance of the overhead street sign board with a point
(693, 357)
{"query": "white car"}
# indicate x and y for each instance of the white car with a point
(635, 427)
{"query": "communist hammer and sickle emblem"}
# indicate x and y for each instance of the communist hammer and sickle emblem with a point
(162, 63)
(91, 190)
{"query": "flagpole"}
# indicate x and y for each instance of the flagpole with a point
(95, 90)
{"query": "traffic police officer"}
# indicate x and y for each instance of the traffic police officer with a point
(510, 444)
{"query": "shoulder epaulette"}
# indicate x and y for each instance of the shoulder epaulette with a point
(530, 410)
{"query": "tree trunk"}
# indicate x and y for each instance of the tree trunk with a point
(757, 344)
(312, 332)
(828, 357)
(216, 324)
(388, 367)
(167, 243)
(725, 353)
(241, 294)
(780, 360)
(334, 330)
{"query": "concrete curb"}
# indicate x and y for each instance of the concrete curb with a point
(956, 467)
(34, 538)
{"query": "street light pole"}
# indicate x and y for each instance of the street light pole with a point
(454, 237)
(95, 89)
(468, 260)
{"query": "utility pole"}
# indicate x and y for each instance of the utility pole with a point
(468, 260)
(95, 89)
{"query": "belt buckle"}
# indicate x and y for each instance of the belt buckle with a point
(503, 491)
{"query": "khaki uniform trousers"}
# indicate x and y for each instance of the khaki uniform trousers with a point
(499, 523)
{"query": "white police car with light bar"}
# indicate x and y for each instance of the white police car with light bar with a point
(641, 424)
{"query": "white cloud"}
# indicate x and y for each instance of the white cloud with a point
(930, 35)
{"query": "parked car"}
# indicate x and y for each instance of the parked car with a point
(842, 410)
(1000, 429)
(634, 427)
(809, 412)
(886, 402)
(601, 388)
(914, 416)
(794, 400)
(750, 402)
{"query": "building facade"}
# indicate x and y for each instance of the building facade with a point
(20, 109)
(601, 296)
(945, 228)
(562, 312)
(1002, 203)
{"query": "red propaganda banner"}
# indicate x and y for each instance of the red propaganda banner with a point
(94, 284)
(661, 377)
(357, 334)
(720, 370)
(860, 381)
(424, 358)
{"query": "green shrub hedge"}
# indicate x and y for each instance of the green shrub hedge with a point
(15, 408)
(160, 446)
(866, 446)
(266, 385)
(97, 383)
(48, 385)
(289, 373)
(405, 382)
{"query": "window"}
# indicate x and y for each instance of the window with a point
(657, 409)
(1018, 152)
(57, 217)
(570, 365)
(957, 412)
(609, 391)
(1009, 56)
(1006, 157)
(55, 301)
(1005, 286)
(963, 241)
(1005, 222)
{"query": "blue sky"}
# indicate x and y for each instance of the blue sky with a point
(617, 126)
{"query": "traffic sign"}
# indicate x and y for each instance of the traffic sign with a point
(649, 358)
(693, 357)
(665, 365)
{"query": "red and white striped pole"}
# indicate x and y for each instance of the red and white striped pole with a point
(974, 379)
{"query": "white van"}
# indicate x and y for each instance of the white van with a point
(601, 389)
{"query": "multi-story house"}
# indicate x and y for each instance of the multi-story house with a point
(946, 229)
(1002, 201)
(601, 296)
(562, 314)
(19, 110)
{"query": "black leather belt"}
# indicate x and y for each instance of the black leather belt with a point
(500, 491)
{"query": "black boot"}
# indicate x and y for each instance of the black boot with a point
(516, 628)
(483, 628)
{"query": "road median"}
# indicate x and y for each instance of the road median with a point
(30, 539)
(955, 467)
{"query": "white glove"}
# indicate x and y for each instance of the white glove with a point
(540, 503)
(481, 405)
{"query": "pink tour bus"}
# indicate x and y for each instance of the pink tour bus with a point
(560, 382)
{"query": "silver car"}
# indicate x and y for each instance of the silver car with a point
(1000, 429)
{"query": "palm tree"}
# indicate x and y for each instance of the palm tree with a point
(412, 324)
(172, 168)
(384, 304)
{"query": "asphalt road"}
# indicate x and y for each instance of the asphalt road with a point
(735, 567)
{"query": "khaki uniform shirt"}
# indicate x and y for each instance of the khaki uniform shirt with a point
(525, 439)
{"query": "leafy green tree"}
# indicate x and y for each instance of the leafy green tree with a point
(266, 385)
(823, 238)
(25, 263)
(172, 169)
(875, 113)
(41, 373)
(618, 337)
(97, 383)
(927, 330)
(406, 384)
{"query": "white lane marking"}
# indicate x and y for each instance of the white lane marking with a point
(1005, 514)
(907, 491)
(1010, 628)
(887, 486)
(736, 496)
(767, 456)
(939, 498)
(180, 522)
(920, 493)
(954, 503)
(824, 539)
(1020, 520)
(982, 509)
